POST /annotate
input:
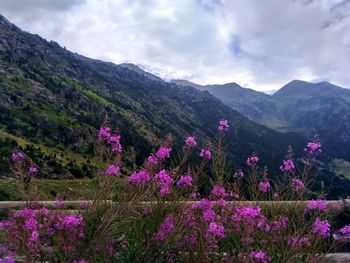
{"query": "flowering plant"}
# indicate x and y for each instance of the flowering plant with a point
(165, 213)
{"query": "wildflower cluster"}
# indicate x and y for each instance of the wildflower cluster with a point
(206, 153)
(104, 135)
(223, 125)
(190, 142)
(42, 234)
(252, 160)
(138, 178)
(287, 166)
(313, 148)
(151, 219)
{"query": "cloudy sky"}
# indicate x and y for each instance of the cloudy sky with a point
(258, 44)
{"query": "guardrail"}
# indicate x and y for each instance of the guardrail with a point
(16, 205)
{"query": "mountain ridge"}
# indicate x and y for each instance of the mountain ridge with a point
(299, 106)
(56, 98)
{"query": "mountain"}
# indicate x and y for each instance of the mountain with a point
(255, 105)
(140, 71)
(52, 102)
(299, 106)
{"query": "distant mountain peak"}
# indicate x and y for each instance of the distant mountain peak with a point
(184, 82)
(140, 71)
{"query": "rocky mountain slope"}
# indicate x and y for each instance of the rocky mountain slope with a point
(52, 102)
(298, 106)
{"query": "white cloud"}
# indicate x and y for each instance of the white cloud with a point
(259, 44)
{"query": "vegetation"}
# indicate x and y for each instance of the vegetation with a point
(167, 211)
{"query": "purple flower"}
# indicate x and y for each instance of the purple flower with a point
(164, 181)
(287, 166)
(114, 140)
(218, 192)
(7, 259)
(104, 133)
(208, 215)
(33, 170)
(252, 160)
(138, 178)
(313, 148)
(259, 256)
(152, 160)
(344, 232)
(190, 142)
(238, 174)
(112, 170)
(321, 228)
(165, 228)
(233, 195)
(59, 203)
(223, 125)
(320, 205)
(185, 180)
(216, 229)
(163, 152)
(298, 242)
(264, 186)
(206, 153)
(34, 236)
(30, 224)
(297, 184)
(17, 156)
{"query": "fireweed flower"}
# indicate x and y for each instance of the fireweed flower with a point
(264, 186)
(164, 181)
(313, 148)
(35, 231)
(163, 153)
(280, 223)
(297, 184)
(343, 234)
(252, 160)
(208, 215)
(287, 166)
(185, 180)
(112, 170)
(114, 140)
(165, 228)
(190, 142)
(206, 154)
(216, 229)
(8, 259)
(104, 134)
(238, 174)
(233, 195)
(30, 224)
(138, 178)
(218, 192)
(33, 170)
(59, 203)
(259, 256)
(321, 228)
(17, 156)
(223, 125)
(152, 160)
(320, 205)
(298, 242)
(345, 231)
